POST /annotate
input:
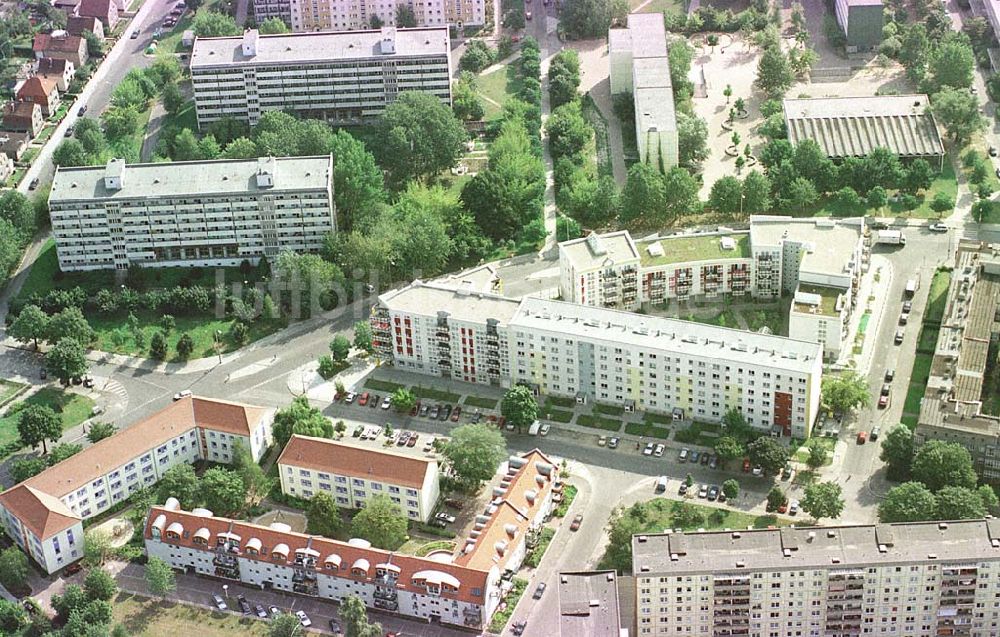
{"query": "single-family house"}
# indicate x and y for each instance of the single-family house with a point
(67, 6)
(14, 144)
(43, 91)
(60, 44)
(62, 71)
(6, 167)
(77, 24)
(23, 117)
(104, 10)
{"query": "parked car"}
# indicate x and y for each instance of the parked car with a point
(387, 402)
(363, 400)
(539, 591)
(404, 436)
(446, 517)
(658, 451)
(456, 414)
(713, 493)
(453, 503)
(577, 521)
(258, 610)
(134, 35)
(445, 412)
(73, 569)
(683, 456)
(874, 434)
(703, 491)
(613, 442)
(438, 523)
(374, 401)
(746, 465)
(793, 507)
(889, 375)
(476, 416)
(898, 340)
(244, 604)
(518, 628)
(884, 400)
(862, 437)
(303, 618)
(34, 184)
(219, 602)
(706, 458)
(714, 463)
(424, 409)
(694, 457)
(335, 627)
(274, 611)
(938, 227)
(907, 306)
(784, 507)
(544, 429)
(758, 471)
(602, 441)
(184, 393)
(412, 440)
(350, 397)
(683, 489)
(69, 131)
(357, 431)
(43, 374)
(435, 410)
(648, 451)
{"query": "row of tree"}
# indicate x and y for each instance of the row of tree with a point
(227, 492)
(19, 218)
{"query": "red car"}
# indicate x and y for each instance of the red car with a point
(363, 400)
(415, 408)
(862, 437)
(412, 440)
(883, 402)
(456, 413)
(746, 465)
(577, 521)
(783, 508)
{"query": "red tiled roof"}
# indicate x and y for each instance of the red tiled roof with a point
(37, 87)
(21, 111)
(348, 460)
(94, 8)
(42, 514)
(48, 66)
(63, 44)
(348, 553)
(76, 25)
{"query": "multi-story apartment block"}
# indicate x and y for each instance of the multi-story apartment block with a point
(589, 605)
(349, 76)
(953, 405)
(461, 588)
(44, 514)
(267, 9)
(198, 213)
(590, 353)
(918, 579)
(351, 474)
(352, 15)
(819, 262)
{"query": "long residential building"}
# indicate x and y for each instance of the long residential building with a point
(198, 213)
(348, 76)
(350, 474)
(599, 354)
(461, 588)
(952, 408)
(353, 15)
(44, 514)
(819, 262)
(922, 579)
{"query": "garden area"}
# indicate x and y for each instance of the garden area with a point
(704, 434)
(72, 408)
(9, 389)
(502, 616)
(937, 299)
(144, 617)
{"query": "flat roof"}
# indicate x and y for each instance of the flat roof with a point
(459, 302)
(695, 247)
(648, 35)
(305, 48)
(958, 416)
(653, 332)
(480, 278)
(600, 250)
(831, 242)
(827, 297)
(588, 604)
(729, 553)
(180, 178)
(854, 126)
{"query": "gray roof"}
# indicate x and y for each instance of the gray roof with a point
(831, 241)
(831, 547)
(648, 35)
(596, 250)
(304, 48)
(654, 96)
(854, 126)
(460, 303)
(180, 178)
(588, 604)
(693, 339)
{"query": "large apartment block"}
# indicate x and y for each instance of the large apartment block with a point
(461, 587)
(352, 15)
(198, 213)
(952, 409)
(919, 579)
(350, 76)
(44, 514)
(599, 354)
(351, 474)
(819, 262)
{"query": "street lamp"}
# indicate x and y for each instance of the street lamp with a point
(742, 197)
(225, 589)
(218, 344)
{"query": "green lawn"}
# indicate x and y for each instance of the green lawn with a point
(598, 422)
(602, 145)
(944, 181)
(921, 368)
(144, 617)
(699, 433)
(435, 394)
(802, 453)
(646, 430)
(9, 389)
(559, 401)
(535, 555)
(557, 415)
(660, 419)
(937, 298)
(496, 87)
(501, 617)
(73, 408)
(927, 340)
(666, 7)
(569, 494)
(479, 401)
(382, 385)
(610, 410)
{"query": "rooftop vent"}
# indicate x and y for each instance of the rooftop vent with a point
(741, 564)
(943, 526)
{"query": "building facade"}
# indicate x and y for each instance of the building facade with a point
(351, 475)
(41, 90)
(23, 117)
(60, 44)
(200, 213)
(918, 579)
(591, 353)
(861, 22)
(44, 514)
(353, 15)
(349, 76)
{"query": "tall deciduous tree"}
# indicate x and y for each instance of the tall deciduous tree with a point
(823, 500)
(845, 392)
(323, 517)
(181, 482)
(897, 452)
(418, 137)
(160, 578)
(272, 26)
(943, 464)
(381, 522)
(300, 418)
(959, 503)
(568, 131)
(774, 73)
(38, 424)
(13, 568)
(519, 407)
(223, 492)
(644, 197)
(958, 111)
(692, 139)
(768, 453)
(357, 179)
(908, 502)
(69, 323)
(30, 325)
(284, 624)
(403, 400)
(474, 452)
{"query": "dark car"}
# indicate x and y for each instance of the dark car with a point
(34, 184)
(879, 225)
(73, 569)
(889, 375)
(335, 627)
(706, 458)
(412, 440)
(374, 401)
(445, 412)
(713, 492)
(539, 590)
(244, 604)
(874, 434)
(69, 131)
(518, 628)
(453, 503)
(435, 410)
(415, 408)
(259, 611)
(424, 409)
(43, 374)
(80, 111)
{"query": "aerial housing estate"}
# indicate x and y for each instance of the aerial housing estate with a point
(600, 354)
(44, 514)
(818, 262)
(198, 213)
(639, 65)
(954, 407)
(351, 15)
(461, 587)
(347, 76)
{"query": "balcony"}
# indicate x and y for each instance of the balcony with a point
(386, 594)
(228, 572)
(306, 588)
(386, 604)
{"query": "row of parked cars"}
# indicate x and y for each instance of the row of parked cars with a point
(267, 613)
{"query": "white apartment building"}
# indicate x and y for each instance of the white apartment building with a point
(351, 474)
(819, 262)
(266, 9)
(348, 76)
(353, 15)
(198, 213)
(44, 514)
(918, 579)
(461, 588)
(590, 353)
(639, 65)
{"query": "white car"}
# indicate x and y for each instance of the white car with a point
(793, 507)
(648, 451)
(445, 517)
(184, 393)
(544, 431)
(386, 402)
(350, 397)
(219, 602)
(303, 618)
(658, 451)
(937, 227)
(703, 491)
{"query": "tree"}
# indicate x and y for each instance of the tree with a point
(355, 616)
(341, 347)
(823, 500)
(981, 210)
(13, 568)
(568, 131)
(12, 617)
(323, 517)
(184, 146)
(241, 148)
(405, 18)
(99, 585)
(477, 56)
(381, 522)
(958, 111)
(70, 153)
(256, 483)
(120, 121)
(284, 624)
(728, 92)
(726, 195)
(212, 24)
(24, 468)
(564, 77)
(474, 452)
(756, 193)
(908, 502)
(96, 547)
(918, 176)
(272, 26)
(801, 193)
(300, 418)
(818, 453)
(30, 325)
(959, 503)
(776, 498)
(774, 73)
(357, 179)
(989, 497)
(519, 407)
(943, 464)
(465, 99)
(181, 482)
(18, 210)
(403, 400)
(69, 323)
(72, 599)
(363, 336)
(729, 448)
(845, 392)
(731, 488)
(692, 139)
(185, 346)
(160, 579)
(768, 453)
(158, 346)
(418, 136)
(897, 452)
(223, 492)
(38, 424)
(942, 202)
(951, 64)
(681, 189)
(644, 195)
(586, 18)
(63, 451)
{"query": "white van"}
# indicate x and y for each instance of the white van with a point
(661, 484)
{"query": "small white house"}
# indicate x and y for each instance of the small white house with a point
(187, 38)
